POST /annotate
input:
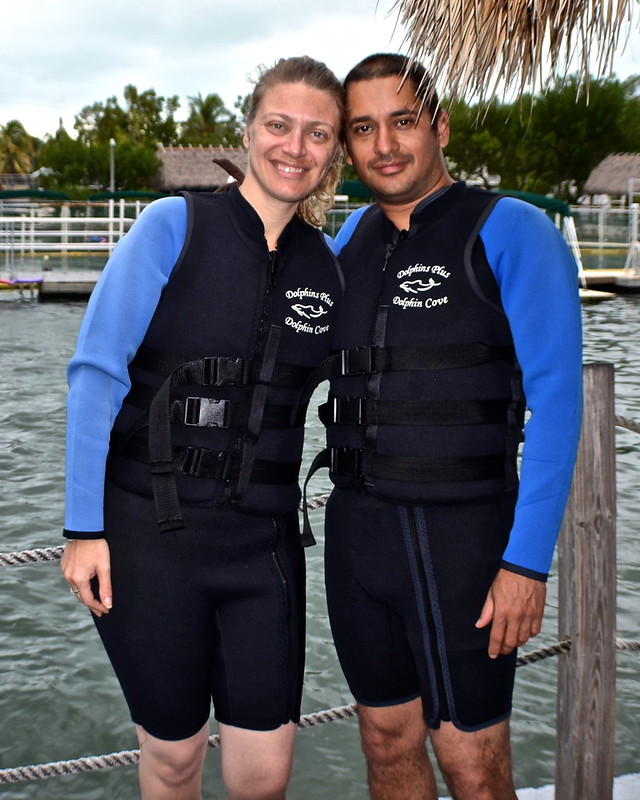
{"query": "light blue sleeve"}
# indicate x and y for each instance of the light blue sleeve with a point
(538, 281)
(118, 314)
(346, 231)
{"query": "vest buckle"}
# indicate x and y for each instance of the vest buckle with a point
(358, 360)
(206, 412)
(346, 461)
(225, 371)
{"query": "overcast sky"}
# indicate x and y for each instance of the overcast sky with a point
(58, 56)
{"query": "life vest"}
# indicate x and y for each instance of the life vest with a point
(212, 416)
(426, 400)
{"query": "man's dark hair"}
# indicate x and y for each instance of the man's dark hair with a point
(385, 65)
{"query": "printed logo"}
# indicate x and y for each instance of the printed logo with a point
(310, 312)
(428, 277)
(320, 304)
(419, 285)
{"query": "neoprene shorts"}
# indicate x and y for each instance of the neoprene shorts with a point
(211, 612)
(405, 587)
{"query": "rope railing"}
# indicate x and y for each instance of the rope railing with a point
(126, 758)
(131, 757)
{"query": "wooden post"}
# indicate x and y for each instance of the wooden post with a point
(586, 703)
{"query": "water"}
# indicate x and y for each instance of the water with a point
(59, 699)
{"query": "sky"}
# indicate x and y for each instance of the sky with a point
(58, 56)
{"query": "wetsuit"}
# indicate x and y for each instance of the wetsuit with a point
(183, 451)
(448, 327)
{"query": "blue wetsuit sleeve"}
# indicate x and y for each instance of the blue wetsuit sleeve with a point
(538, 281)
(117, 317)
(346, 231)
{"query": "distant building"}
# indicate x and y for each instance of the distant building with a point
(193, 168)
(617, 176)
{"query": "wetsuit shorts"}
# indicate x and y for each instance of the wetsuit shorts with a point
(405, 587)
(211, 612)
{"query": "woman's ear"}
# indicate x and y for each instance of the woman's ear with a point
(245, 137)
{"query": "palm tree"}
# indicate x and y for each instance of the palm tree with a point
(17, 149)
(209, 122)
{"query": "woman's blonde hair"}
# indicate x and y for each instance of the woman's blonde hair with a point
(303, 69)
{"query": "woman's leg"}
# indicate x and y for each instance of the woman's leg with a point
(171, 770)
(256, 765)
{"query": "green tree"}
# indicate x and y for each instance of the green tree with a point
(209, 122)
(147, 119)
(72, 163)
(548, 143)
(17, 149)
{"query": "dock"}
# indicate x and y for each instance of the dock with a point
(618, 281)
(78, 284)
(53, 285)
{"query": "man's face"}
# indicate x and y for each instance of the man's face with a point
(391, 143)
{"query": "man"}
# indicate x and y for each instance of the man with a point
(459, 304)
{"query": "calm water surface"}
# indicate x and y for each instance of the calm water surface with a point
(59, 699)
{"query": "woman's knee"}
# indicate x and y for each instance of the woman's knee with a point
(174, 762)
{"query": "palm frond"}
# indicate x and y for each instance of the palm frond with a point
(472, 47)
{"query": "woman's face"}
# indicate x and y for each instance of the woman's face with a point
(292, 141)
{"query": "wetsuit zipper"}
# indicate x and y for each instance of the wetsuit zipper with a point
(424, 598)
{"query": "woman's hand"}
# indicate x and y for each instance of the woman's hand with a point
(83, 560)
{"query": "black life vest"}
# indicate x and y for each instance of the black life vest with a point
(426, 400)
(212, 417)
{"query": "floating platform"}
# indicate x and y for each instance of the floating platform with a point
(54, 285)
(619, 281)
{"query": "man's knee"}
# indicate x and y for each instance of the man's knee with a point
(475, 765)
(393, 733)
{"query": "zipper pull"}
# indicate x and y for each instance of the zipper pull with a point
(273, 255)
(387, 255)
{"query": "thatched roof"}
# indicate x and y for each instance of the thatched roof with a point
(473, 47)
(193, 168)
(612, 175)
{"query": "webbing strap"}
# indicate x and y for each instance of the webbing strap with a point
(322, 460)
(353, 410)
(200, 462)
(218, 370)
(165, 492)
(370, 359)
(256, 412)
(356, 463)
(209, 412)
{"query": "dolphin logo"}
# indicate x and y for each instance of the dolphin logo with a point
(309, 311)
(418, 285)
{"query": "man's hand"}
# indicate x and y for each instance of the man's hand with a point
(83, 560)
(514, 607)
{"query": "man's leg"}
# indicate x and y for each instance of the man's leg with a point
(172, 770)
(476, 765)
(394, 744)
(256, 765)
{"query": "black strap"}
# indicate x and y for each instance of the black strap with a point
(356, 463)
(218, 370)
(370, 359)
(353, 410)
(257, 409)
(321, 461)
(200, 462)
(209, 412)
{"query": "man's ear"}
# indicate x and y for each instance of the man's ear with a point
(347, 157)
(443, 128)
(245, 138)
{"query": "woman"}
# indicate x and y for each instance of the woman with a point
(183, 447)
